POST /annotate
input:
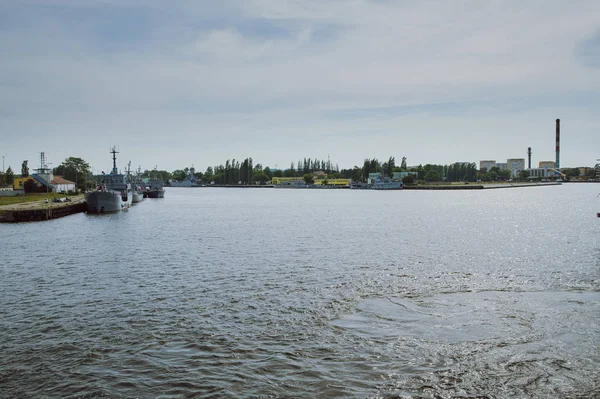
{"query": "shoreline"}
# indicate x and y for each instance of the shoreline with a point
(38, 211)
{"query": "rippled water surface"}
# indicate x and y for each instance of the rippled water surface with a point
(248, 293)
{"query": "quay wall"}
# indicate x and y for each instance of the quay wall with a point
(455, 187)
(40, 214)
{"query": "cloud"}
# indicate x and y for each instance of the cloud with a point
(278, 70)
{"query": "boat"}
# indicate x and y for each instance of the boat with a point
(154, 187)
(113, 194)
(138, 193)
(385, 183)
(189, 181)
(154, 190)
(136, 185)
(356, 185)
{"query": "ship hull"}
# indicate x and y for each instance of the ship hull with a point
(155, 194)
(103, 202)
(388, 186)
(185, 183)
(137, 197)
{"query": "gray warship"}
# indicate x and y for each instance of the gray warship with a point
(136, 184)
(113, 194)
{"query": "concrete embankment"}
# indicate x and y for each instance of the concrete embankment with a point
(478, 186)
(448, 187)
(40, 210)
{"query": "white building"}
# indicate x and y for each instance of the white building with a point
(502, 165)
(487, 164)
(546, 164)
(515, 165)
(61, 185)
(542, 173)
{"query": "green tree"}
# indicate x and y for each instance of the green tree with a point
(289, 172)
(408, 179)
(74, 169)
(572, 172)
(355, 174)
(308, 178)
(432, 175)
(24, 169)
(591, 173)
(403, 163)
(209, 175)
(260, 177)
(267, 171)
(388, 167)
(10, 176)
(278, 173)
(178, 175)
(523, 175)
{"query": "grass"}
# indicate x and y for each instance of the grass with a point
(31, 197)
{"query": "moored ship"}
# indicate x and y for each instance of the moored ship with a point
(136, 185)
(112, 194)
(138, 193)
(385, 183)
(189, 181)
(154, 187)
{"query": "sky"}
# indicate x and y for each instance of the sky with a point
(173, 84)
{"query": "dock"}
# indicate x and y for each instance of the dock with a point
(40, 210)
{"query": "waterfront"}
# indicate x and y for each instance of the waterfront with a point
(308, 294)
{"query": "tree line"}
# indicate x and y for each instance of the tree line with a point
(245, 172)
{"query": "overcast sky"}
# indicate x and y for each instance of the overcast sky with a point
(176, 83)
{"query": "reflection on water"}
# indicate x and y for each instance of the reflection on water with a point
(297, 293)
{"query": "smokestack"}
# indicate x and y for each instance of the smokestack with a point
(529, 156)
(557, 165)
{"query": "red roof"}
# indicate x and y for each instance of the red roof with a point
(60, 180)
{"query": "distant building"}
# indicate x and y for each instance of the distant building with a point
(487, 164)
(541, 173)
(502, 165)
(372, 177)
(402, 175)
(546, 164)
(19, 182)
(515, 165)
(61, 185)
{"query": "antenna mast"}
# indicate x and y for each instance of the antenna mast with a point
(114, 152)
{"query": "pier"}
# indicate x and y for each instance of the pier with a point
(40, 210)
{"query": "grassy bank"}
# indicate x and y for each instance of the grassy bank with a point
(31, 197)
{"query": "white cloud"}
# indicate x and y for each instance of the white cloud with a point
(192, 80)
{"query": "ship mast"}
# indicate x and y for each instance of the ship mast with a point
(114, 152)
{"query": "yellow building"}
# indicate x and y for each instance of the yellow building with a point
(19, 182)
(331, 182)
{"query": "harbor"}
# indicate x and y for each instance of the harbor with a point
(268, 292)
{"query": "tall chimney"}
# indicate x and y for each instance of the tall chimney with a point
(557, 165)
(529, 156)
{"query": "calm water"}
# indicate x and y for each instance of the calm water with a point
(241, 293)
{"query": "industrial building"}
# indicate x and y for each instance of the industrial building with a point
(546, 165)
(488, 164)
(515, 165)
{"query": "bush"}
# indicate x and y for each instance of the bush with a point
(409, 179)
